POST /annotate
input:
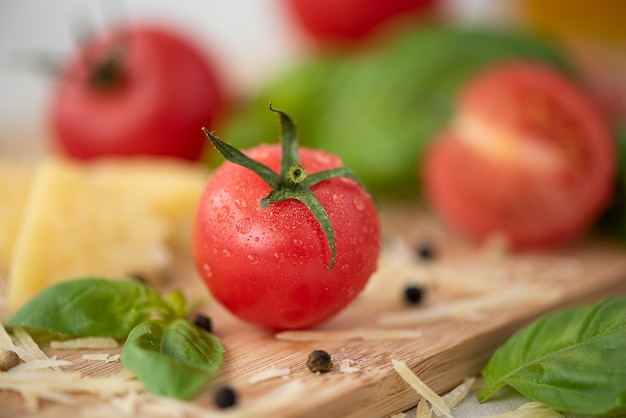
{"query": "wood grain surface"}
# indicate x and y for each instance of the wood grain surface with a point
(448, 344)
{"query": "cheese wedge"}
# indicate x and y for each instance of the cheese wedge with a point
(15, 179)
(108, 219)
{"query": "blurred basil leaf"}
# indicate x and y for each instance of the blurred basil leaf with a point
(379, 108)
(92, 307)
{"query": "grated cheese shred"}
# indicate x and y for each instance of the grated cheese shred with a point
(438, 405)
(456, 395)
(422, 410)
(472, 307)
(364, 334)
(347, 366)
(86, 343)
(95, 357)
(268, 374)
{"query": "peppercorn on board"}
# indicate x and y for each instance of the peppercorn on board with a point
(474, 299)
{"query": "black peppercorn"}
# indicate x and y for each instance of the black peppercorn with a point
(225, 397)
(426, 251)
(204, 322)
(319, 361)
(413, 294)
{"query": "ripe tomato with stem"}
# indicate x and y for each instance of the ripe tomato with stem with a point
(288, 250)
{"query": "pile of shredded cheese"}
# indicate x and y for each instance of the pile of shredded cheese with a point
(40, 377)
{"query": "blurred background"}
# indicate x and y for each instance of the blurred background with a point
(263, 51)
(250, 40)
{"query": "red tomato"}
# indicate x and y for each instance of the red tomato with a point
(137, 91)
(330, 21)
(268, 266)
(528, 156)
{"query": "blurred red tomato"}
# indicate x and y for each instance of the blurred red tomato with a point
(529, 156)
(340, 21)
(140, 90)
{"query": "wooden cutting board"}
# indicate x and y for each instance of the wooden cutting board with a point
(467, 312)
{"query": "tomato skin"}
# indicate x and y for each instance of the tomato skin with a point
(330, 21)
(268, 266)
(167, 93)
(536, 163)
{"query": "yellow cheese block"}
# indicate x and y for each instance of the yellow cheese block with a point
(109, 219)
(171, 187)
(15, 179)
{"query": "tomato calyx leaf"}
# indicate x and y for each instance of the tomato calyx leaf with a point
(293, 182)
(107, 71)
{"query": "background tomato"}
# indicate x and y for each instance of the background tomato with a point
(333, 21)
(137, 91)
(269, 266)
(528, 156)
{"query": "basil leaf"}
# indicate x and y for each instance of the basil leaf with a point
(572, 360)
(92, 307)
(394, 98)
(176, 361)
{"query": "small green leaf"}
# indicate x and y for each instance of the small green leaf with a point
(236, 156)
(176, 361)
(293, 182)
(92, 307)
(572, 360)
(320, 176)
(289, 140)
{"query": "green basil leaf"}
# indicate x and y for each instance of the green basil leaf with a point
(176, 361)
(572, 360)
(177, 302)
(380, 107)
(92, 307)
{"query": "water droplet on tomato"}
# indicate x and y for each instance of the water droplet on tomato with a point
(253, 259)
(241, 203)
(222, 214)
(226, 253)
(279, 257)
(337, 198)
(257, 239)
(207, 270)
(359, 204)
(243, 226)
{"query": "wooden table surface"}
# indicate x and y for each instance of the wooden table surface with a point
(441, 345)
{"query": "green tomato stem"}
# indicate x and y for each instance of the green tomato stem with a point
(296, 174)
(293, 181)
